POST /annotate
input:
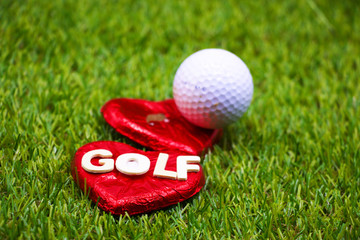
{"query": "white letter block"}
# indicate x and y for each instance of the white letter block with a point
(160, 171)
(107, 165)
(183, 167)
(132, 164)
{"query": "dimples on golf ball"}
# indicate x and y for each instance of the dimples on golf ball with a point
(212, 88)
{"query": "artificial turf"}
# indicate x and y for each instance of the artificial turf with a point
(289, 168)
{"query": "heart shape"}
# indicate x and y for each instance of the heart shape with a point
(118, 193)
(158, 125)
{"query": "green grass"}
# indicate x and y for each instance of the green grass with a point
(289, 168)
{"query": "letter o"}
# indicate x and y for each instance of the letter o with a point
(141, 164)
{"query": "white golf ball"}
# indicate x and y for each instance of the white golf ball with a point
(213, 88)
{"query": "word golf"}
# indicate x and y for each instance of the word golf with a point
(138, 164)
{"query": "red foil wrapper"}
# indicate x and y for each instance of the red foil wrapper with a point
(118, 193)
(158, 125)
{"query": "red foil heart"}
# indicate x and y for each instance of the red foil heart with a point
(158, 125)
(118, 193)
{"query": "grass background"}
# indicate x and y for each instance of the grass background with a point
(288, 169)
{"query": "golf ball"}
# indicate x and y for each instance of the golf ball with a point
(212, 88)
